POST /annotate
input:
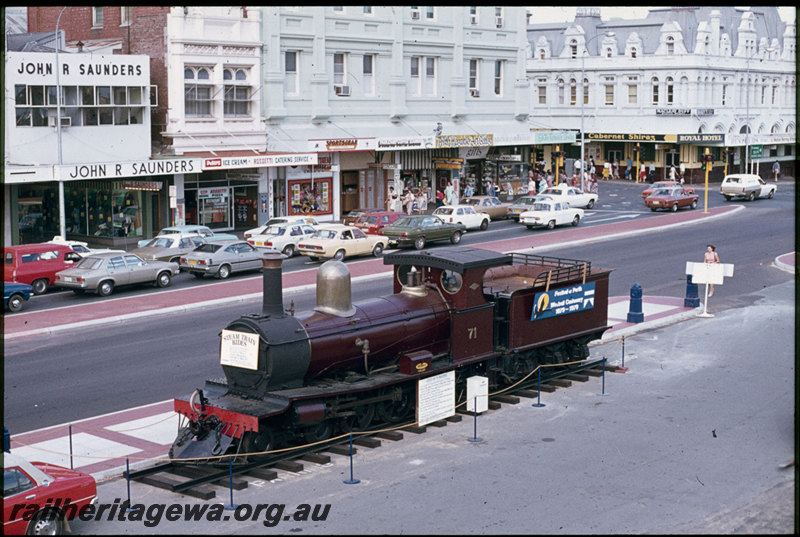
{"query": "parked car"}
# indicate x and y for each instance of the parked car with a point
(350, 218)
(419, 230)
(573, 196)
(283, 237)
(747, 186)
(671, 198)
(37, 264)
(525, 203)
(47, 486)
(463, 214)
(489, 205)
(222, 258)
(192, 229)
(104, 272)
(169, 247)
(261, 230)
(665, 184)
(550, 213)
(15, 295)
(372, 223)
(337, 241)
(81, 247)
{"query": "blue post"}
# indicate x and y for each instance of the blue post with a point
(128, 479)
(351, 481)
(604, 378)
(539, 390)
(232, 506)
(70, 447)
(475, 414)
(635, 314)
(692, 299)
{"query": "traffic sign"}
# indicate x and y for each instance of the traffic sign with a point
(756, 151)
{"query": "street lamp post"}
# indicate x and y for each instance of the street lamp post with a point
(583, 102)
(62, 228)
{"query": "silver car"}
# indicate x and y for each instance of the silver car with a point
(103, 272)
(221, 259)
(169, 247)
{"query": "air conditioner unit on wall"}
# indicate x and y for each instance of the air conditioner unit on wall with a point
(473, 19)
(499, 21)
(66, 121)
(415, 15)
(342, 91)
(474, 92)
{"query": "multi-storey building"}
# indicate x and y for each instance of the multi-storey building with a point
(678, 82)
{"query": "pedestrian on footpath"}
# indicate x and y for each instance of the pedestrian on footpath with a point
(711, 257)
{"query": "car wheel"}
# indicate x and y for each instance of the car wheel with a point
(551, 224)
(455, 238)
(105, 288)
(653, 209)
(46, 522)
(590, 204)
(40, 287)
(15, 303)
(484, 225)
(771, 193)
(378, 250)
(576, 220)
(339, 255)
(529, 227)
(727, 198)
(164, 279)
(674, 207)
(694, 204)
(223, 272)
(751, 196)
(288, 251)
(419, 244)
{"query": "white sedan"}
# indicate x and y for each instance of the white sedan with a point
(282, 237)
(463, 214)
(550, 214)
(261, 230)
(573, 196)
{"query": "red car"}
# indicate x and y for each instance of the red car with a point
(371, 223)
(665, 184)
(671, 198)
(40, 498)
(37, 264)
(350, 218)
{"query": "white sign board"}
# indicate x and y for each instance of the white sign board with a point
(712, 273)
(436, 398)
(239, 349)
(477, 394)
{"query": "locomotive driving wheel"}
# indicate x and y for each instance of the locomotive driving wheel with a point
(258, 442)
(359, 420)
(397, 408)
(318, 432)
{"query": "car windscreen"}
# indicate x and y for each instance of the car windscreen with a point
(544, 207)
(443, 210)
(161, 242)
(90, 263)
(522, 202)
(473, 202)
(371, 219)
(324, 234)
(168, 232)
(275, 230)
(208, 248)
(662, 192)
(405, 221)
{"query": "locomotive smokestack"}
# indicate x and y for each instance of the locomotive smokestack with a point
(273, 284)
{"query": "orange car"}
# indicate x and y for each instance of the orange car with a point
(666, 184)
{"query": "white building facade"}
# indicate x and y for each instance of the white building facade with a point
(676, 83)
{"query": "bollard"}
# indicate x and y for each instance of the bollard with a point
(128, 479)
(635, 314)
(538, 403)
(232, 506)
(475, 437)
(351, 481)
(603, 392)
(692, 299)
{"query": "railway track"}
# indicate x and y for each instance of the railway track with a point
(201, 481)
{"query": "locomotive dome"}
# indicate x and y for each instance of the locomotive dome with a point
(333, 289)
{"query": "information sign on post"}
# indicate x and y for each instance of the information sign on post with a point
(436, 398)
(708, 273)
(477, 394)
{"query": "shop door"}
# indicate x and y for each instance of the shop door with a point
(215, 207)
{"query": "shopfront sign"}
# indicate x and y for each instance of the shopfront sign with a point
(220, 193)
(553, 137)
(343, 144)
(153, 186)
(508, 158)
(110, 170)
(701, 138)
(447, 163)
(705, 111)
(631, 137)
(262, 161)
(465, 140)
(673, 111)
(405, 143)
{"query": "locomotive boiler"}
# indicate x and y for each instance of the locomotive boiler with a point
(299, 378)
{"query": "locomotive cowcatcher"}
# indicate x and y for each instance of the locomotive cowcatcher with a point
(300, 378)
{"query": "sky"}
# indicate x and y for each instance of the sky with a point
(567, 14)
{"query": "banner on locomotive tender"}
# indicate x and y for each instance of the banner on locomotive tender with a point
(239, 349)
(563, 301)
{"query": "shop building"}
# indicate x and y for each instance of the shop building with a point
(671, 85)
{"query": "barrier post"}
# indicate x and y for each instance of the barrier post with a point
(475, 428)
(351, 481)
(232, 506)
(604, 378)
(538, 402)
(623, 369)
(128, 479)
(70, 448)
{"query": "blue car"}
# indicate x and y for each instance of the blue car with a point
(15, 294)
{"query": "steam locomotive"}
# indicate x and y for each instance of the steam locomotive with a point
(300, 378)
